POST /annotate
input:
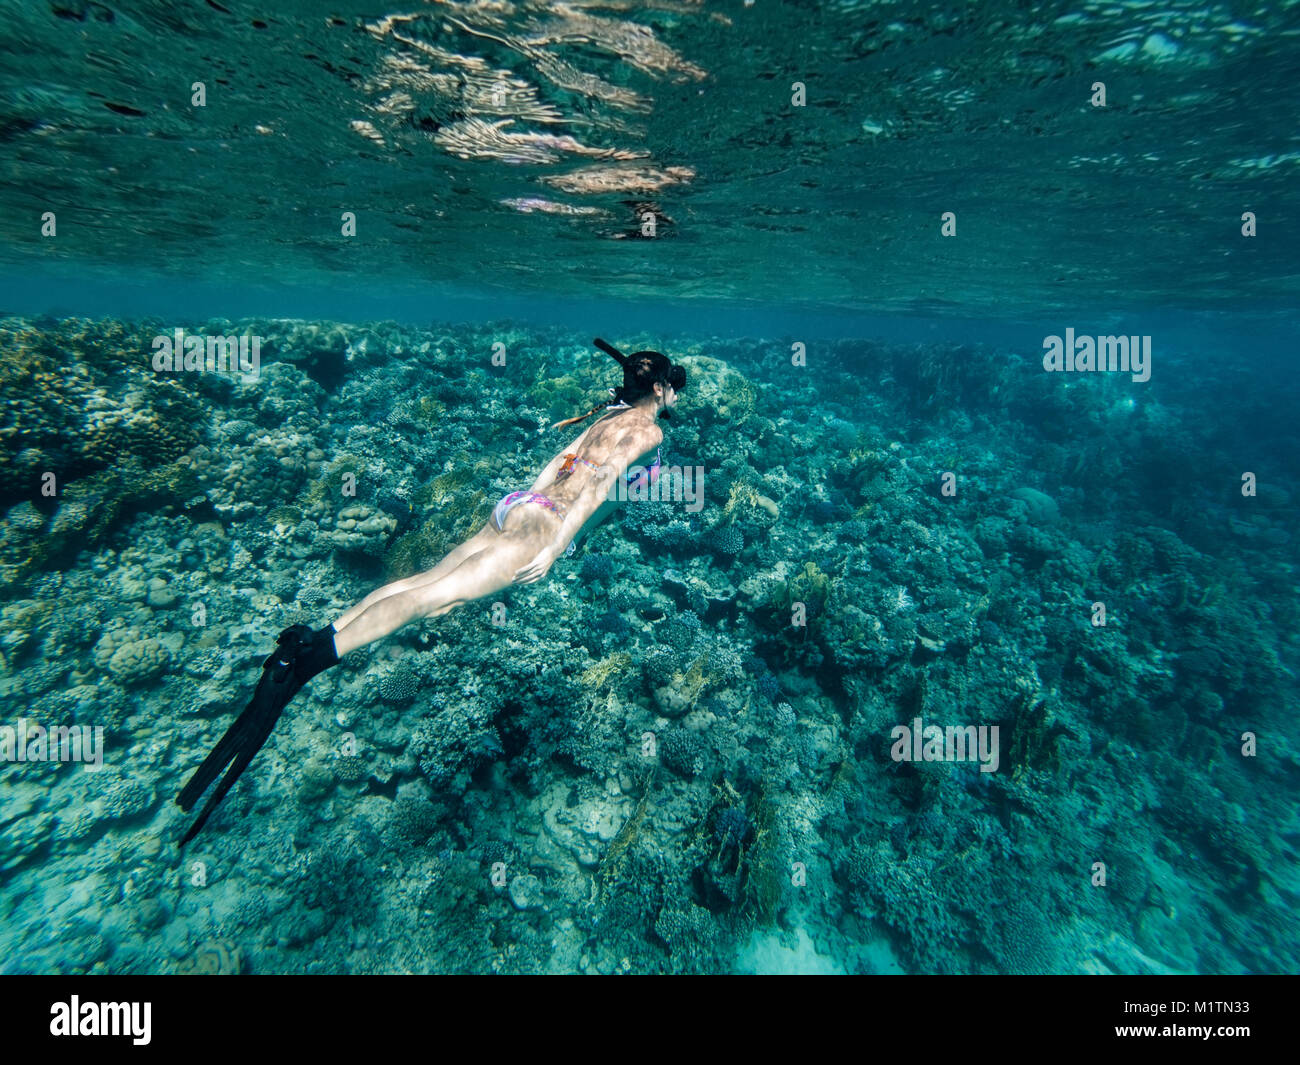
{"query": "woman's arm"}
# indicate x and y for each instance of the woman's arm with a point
(547, 476)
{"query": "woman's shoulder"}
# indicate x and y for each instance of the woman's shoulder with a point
(643, 432)
(629, 436)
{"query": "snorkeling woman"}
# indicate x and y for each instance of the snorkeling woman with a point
(526, 533)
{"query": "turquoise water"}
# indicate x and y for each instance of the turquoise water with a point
(700, 744)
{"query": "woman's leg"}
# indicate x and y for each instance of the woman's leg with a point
(489, 570)
(471, 546)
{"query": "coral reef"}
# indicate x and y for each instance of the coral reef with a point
(678, 749)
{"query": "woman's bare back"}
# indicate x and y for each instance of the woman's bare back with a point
(601, 446)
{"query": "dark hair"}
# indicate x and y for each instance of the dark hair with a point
(642, 370)
(645, 369)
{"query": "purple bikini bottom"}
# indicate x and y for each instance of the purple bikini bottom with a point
(503, 508)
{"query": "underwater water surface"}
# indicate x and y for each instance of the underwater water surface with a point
(959, 634)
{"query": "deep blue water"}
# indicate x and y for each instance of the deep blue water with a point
(916, 521)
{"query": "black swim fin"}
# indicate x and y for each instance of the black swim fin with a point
(301, 654)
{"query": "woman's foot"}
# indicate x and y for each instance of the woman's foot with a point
(299, 656)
